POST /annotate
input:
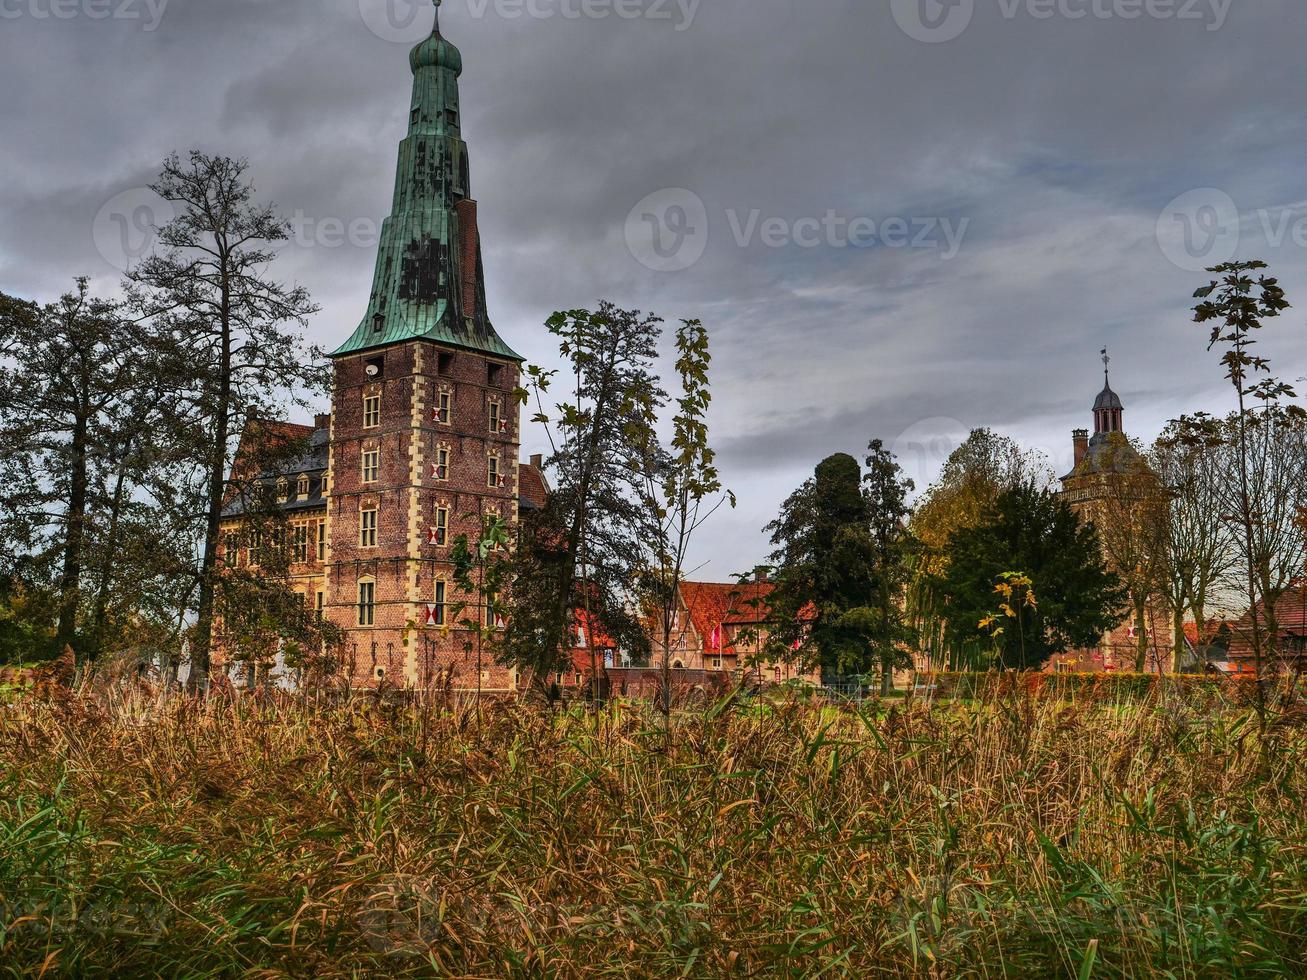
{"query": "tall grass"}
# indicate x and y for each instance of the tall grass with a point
(1008, 836)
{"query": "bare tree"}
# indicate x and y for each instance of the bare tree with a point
(208, 292)
(1198, 543)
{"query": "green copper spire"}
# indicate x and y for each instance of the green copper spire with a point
(428, 282)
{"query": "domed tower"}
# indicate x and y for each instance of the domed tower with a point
(1112, 486)
(425, 425)
(1108, 450)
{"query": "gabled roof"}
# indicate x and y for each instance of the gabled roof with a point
(532, 490)
(713, 604)
(1290, 613)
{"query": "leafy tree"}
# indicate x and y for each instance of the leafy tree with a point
(678, 487)
(481, 570)
(1235, 305)
(825, 571)
(65, 392)
(1031, 531)
(975, 474)
(208, 293)
(586, 549)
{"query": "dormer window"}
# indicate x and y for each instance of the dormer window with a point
(378, 322)
(414, 115)
(302, 487)
(283, 491)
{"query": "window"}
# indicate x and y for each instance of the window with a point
(439, 604)
(371, 464)
(492, 471)
(371, 411)
(256, 546)
(367, 529)
(444, 363)
(495, 424)
(320, 603)
(322, 540)
(443, 401)
(440, 468)
(414, 115)
(302, 487)
(283, 491)
(442, 526)
(494, 372)
(367, 602)
(300, 543)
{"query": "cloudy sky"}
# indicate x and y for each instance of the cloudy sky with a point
(900, 219)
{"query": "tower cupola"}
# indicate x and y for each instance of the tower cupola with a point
(1108, 410)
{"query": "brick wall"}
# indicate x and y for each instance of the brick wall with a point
(404, 566)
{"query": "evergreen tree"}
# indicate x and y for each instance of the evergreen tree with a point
(825, 571)
(1032, 532)
(886, 491)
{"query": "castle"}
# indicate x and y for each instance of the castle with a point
(422, 441)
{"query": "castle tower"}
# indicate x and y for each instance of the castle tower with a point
(1112, 485)
(425, 425)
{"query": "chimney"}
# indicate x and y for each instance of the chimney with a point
(322, 421)
(537, 461)
(760, 575)
(469, 250)
(1080, 440)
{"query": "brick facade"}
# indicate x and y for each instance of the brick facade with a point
(434, 471)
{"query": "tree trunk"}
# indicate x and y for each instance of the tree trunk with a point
(200, 654)
(70, 581)
(1178, 646)
(101, 616)
(1141, 636)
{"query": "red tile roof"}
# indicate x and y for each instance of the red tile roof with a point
(1290, 611)
(531, 485)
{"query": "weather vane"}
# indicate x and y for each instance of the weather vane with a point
(1106, 361)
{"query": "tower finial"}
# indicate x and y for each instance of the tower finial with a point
(1106, 359)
